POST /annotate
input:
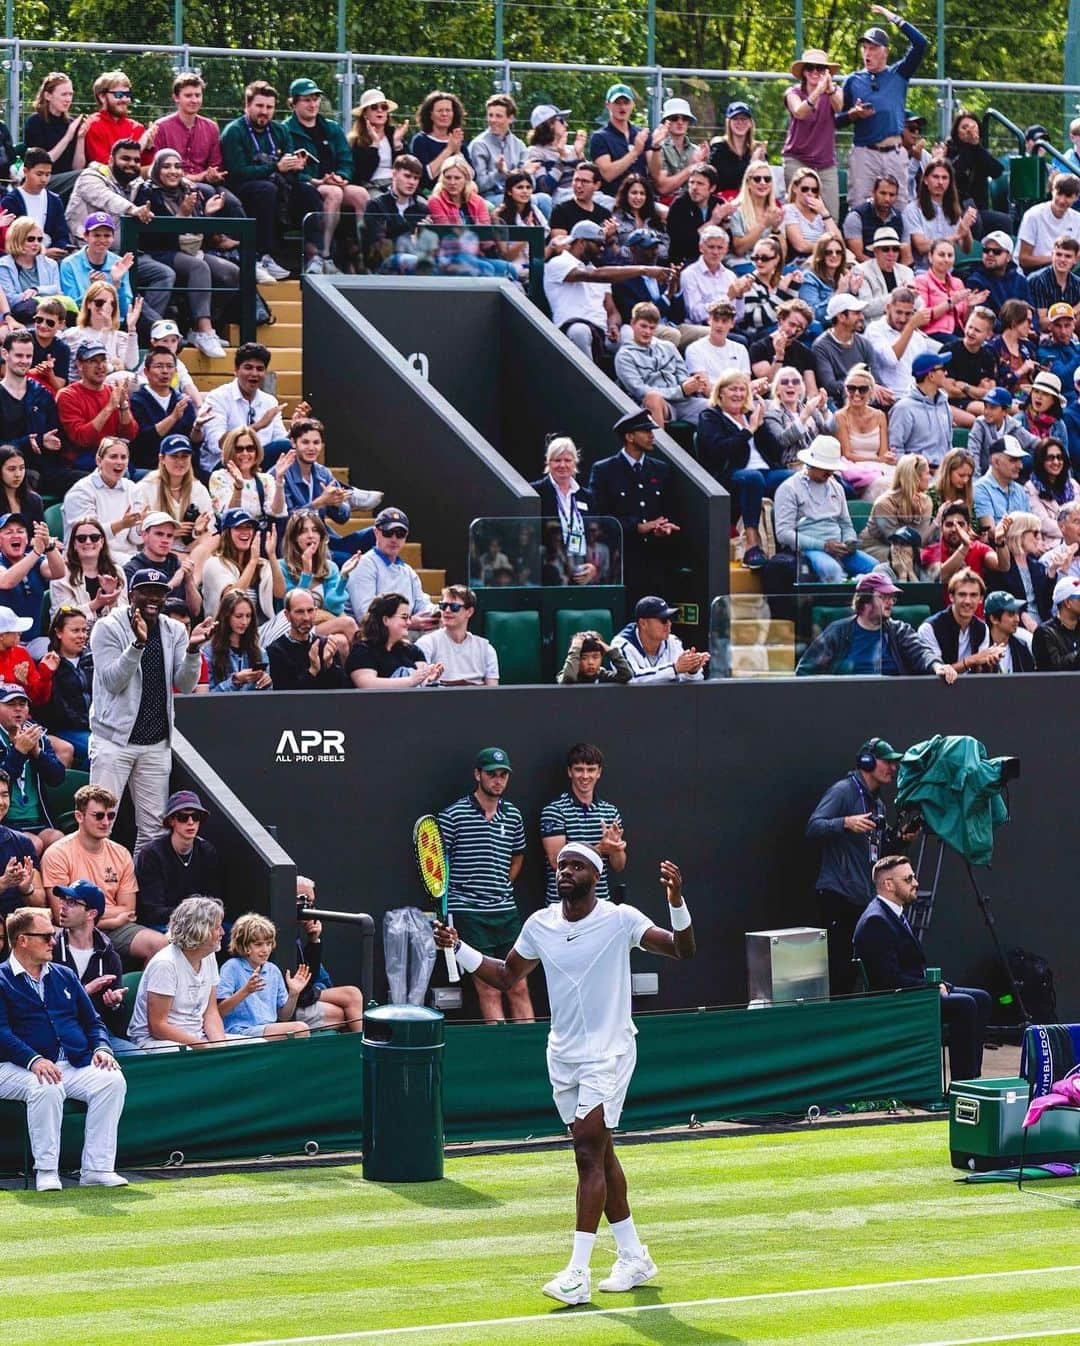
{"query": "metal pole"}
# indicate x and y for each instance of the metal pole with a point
(499, 53)
(799, 21)
(1072, 61)
(15, 90)
(178, 22)
(650, 32)
(341, 42)
(9, 18)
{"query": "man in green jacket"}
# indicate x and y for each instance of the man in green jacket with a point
(267, 173)
(329, 167)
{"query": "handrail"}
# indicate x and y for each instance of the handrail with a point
(992, 114)
(243, 230)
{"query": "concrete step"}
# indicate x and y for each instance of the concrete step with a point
(285, 332)
(745, 581)
(282, 289)
(433, 581)
(284, 310)
(749, 607)
(749, 660)
(768, 632)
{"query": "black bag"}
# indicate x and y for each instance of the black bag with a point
(1035, 981)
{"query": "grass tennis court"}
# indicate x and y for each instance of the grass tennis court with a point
(821, 1238)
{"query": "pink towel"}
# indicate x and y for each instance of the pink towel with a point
(1063, 1094)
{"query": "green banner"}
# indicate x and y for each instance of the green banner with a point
(277, 1098)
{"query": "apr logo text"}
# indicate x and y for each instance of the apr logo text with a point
(311, 745)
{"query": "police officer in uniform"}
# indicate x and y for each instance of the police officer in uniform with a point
(851, 822)
(635, 486)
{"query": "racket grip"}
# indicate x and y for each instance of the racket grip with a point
(452, 970)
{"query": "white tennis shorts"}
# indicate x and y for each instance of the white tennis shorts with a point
(578, 1086)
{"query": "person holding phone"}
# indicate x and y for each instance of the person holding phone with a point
(328, 165)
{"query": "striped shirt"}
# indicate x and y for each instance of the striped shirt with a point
(568, 817)
(480, 852)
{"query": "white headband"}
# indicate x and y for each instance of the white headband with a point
(586, 853)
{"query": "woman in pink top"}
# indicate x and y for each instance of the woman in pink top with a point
(945, 295)
(811, 135)
(455, 199)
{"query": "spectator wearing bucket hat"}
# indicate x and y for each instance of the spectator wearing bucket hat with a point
(883, 272)
(1045, 407)
(921, 421)
(875, 99)
(811, 519)
(620, 148)
(812, 104)
(1056, 643)
(1059, 349)
(1002, 612)
(180, 863)
(674, 155)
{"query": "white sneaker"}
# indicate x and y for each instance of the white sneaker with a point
(262, 276)
(365, 499)
(571, 1286)
(92, 1178)
(48, 1180)
(268, 264)
(207, 342)
(629, 1270)
(314, 267)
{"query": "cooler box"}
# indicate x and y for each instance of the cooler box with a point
(787, 965)
(985, 1132)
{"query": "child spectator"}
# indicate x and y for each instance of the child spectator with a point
(32, 197)
(52, 355)
(16, 665)
(585, 661)
(254, 999)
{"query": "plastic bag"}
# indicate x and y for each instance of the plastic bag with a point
(409, 953)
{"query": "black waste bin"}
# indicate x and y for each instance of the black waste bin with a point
(403, 1103)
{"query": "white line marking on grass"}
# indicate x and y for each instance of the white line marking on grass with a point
(557, 1316)
(1013, 1336)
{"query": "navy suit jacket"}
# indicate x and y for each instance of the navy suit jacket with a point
(614, 489)
(67, 1019)
(627, 293)
(890, 953)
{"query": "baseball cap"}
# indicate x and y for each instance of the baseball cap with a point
(620, 91)
(737, 107)
(1001, 238)
(164, 327)
(174, 606)
(878, 36)
(493, 759)
(1066, 587)
(1056, 311)
(881, 749)
(235, 518)
(9, 622)
(911, 116)
(301, 87)
(999, 601)
(844, 303)
(391, 518)
(175, 444)
(99, 219)
(155, 517)
(148, 579)
(5, 519)
(645, 238)
(543, 112)
(90, 349)
(184, 799)
(927, 363)
(877, 582)
(1009, 445)
(82, 890)
(999, 397)
(587, 229)
(12, 691)
(654, 606)
(908, 536)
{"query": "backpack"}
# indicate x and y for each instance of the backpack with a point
(1034, 978)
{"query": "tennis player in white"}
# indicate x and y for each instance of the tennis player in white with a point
(584, 945)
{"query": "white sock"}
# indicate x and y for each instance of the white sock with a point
(626, 1237)
(583, 1246)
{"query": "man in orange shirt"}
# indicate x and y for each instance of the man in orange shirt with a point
(89, 410)
(111, 121)
(88, 853)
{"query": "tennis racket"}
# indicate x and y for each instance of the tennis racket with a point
(435, 876)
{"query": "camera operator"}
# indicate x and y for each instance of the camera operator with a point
(322, 1004)
(851, 821)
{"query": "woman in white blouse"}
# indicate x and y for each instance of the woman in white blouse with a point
(238, 483)
(173, 489)
(100, 314)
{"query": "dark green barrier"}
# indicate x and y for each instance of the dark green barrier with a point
(273, 1099)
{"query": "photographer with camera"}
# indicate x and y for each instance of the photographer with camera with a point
(321, 1003)
(851, 821)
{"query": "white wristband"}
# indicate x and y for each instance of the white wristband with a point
(680, 917)
(468, 959)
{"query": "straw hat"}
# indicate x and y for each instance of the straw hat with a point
(813, 56)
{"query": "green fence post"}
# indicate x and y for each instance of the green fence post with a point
(178, 23)
(800, 19)
(1072, 62)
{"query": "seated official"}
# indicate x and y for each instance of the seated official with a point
(53, 1045)
(893, 959)
(178, 864)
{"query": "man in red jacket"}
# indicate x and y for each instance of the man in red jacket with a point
(90, 409)
(111, 121)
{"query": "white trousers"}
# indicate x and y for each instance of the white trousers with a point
(144, 769)
(103, 1091)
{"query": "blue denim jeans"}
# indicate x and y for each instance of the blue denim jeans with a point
(829, 570)
(750, 486)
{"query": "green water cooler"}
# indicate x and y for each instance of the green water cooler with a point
(985, 1119)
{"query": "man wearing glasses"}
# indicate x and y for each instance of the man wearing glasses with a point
(884, 273)
(893, 959)
(383, 571)
(90, 854)
(111, 122)
(178, 864)
(467, 660)
(54, 1045)
(874, 102)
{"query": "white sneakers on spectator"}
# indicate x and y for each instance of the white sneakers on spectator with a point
(48, 1180)
(571, 1286)
(630, 1269)
(92, 1178)
(262, 276)
(267, 264)
(319, 266)
(365, 499)
(208, 342)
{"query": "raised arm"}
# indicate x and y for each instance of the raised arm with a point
(678, 942)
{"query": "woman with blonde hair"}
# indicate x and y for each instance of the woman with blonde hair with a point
(907, 503)
(25, 271)
(954, 482)
(456, 198)
(238, 483)
(863, 432)
(1027, 577)
(172, 489)
(732, 153)
(807, 218)
(757, 214)
(99, 314)
(793, 420)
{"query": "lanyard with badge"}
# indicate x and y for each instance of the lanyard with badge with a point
(871, 804)
(571, 524)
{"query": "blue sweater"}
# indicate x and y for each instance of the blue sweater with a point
(30, 1029)
(885, 92)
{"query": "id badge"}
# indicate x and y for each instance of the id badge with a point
(575, 542)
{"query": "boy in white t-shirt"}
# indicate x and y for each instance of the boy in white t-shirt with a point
(584, 945)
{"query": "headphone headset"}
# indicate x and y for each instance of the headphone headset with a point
(867, 758)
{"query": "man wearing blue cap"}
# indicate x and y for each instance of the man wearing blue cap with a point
(620, 148)
(91, 955)
(921, 421)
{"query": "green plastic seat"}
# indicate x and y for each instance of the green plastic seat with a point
(123, 1016)
(860, 512)
(54, 520)
(569, 621)
(516, 637)
(60, 799)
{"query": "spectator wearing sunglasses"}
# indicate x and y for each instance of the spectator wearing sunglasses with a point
(178, 864)
(52, 355)
(112, 121)
(25, 271)
(383, 571)
(883, 272)
(806, 216)
(468, 660)
(812, 104)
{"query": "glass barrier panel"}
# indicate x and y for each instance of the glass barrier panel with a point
(902, 548)
(509, 553)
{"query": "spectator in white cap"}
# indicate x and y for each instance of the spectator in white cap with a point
(550, 148)
(998, 491)
(166, 333)
(811, 519)
(1056, 643)
(841, 346)
(673, 155)
(157, 532)
(997, 272)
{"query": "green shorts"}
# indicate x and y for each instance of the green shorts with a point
(489, 932)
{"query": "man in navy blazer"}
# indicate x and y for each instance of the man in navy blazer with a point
(635, 487)
(893, 959)
(53, 1045)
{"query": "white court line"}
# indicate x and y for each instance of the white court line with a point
(1013, 1336)
(545, 1319)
